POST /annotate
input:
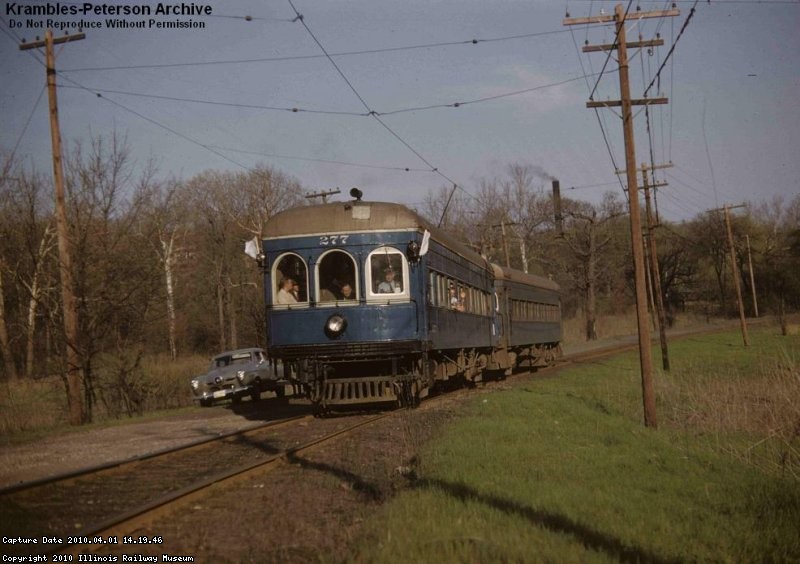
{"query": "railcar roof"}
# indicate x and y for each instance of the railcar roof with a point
(505, 273)
(344, 217)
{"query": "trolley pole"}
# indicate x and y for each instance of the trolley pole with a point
(621, 46)
(74, 372)
(323, 195)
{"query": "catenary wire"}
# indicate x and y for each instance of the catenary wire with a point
(215, 148)
(338, 112)
(301, 19)
(672, 48)
(307, 57)
(316, 160)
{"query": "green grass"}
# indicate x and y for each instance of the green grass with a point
(562, 469)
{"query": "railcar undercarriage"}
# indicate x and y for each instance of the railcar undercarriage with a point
(334, 382)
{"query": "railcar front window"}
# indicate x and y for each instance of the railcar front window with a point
(387, 272)
(290, 277)
(336, 276)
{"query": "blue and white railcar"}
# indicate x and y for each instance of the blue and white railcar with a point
(370, 303)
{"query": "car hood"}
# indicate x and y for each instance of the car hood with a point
(224, 372)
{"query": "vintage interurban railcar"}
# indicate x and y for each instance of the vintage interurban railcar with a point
(367, 302)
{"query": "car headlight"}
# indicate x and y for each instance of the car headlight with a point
(335, 326)
(240, 375)
(195, 384)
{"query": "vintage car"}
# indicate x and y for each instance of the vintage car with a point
(235, 374)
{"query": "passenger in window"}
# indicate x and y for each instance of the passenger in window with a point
(286, 294)
(347, 292)
(453, 298)
(326, 295)
(462, 300)
(389, 284)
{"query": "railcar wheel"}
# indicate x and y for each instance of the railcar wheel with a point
(255, 395)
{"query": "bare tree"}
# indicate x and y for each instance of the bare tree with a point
(28, 241)
(231, 208)
(115, 278)
(5, 346)
(587, 237)
(165, 225)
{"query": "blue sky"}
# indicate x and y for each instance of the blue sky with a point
(732, 127)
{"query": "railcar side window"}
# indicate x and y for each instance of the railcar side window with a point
(432, 288)
(387, 271)
(336, 277)
(290, 277)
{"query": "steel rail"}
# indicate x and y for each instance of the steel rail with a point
(142, 515)
(117, 464)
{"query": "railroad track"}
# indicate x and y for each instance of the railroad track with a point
(126, 496)
(122, 465)
(121, 497)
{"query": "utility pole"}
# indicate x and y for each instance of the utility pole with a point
(752, 277)
(652, 255)
(737, 286)
(654, 269)
(323, 195)
(502, 225)
(74, 372)
(645, 354)
(505, 242)
(559, 219)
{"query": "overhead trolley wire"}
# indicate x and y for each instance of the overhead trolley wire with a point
(591, 97)
(301, 19)
(487, 98)
(474, 41)
(219, 103)
(327, 161)
(672, 48)
(216, 148)
(161, 125)
(368, 113)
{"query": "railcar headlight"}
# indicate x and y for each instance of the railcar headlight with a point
(335, 326)
(195, 384)
(240, 375)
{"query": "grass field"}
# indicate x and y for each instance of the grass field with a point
(561, 469)
(33, 408)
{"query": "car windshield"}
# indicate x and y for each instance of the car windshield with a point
(221, 361)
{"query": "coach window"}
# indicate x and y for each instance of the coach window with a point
(336, 278)
(387, 273)
(290, 281)
(432, 288)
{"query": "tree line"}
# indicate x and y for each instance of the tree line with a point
(159, 268)
(511, 220)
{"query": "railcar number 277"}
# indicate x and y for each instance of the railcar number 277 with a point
(328, 240)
